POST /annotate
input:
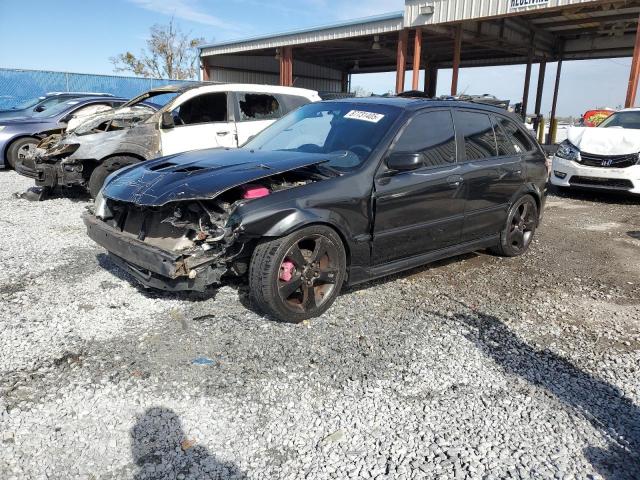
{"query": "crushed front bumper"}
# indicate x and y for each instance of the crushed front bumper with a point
(151, 266)
(52, 174)
(567, 173)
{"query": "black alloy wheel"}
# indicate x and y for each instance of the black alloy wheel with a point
(298, 277)
(520, 229)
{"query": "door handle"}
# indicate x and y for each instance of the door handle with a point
(455, 180)
(220, 134)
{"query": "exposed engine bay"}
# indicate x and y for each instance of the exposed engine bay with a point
(197, 233)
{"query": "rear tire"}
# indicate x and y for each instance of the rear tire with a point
(106, 168)
(520, 227)
(18, 149)
(299, 276)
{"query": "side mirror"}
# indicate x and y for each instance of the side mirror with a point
(65, 119)
(167, 121)
(40, 108)
(404, 161)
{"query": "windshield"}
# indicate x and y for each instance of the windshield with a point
(159, 98)
(623, 120)
(32, 102)
(56, 108)
(349, 131)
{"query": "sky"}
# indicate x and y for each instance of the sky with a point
(81, 36)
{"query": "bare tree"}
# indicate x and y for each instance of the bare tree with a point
(170, 53)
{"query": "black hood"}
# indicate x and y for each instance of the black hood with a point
(201, 174)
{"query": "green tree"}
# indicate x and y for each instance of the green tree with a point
(170, 53)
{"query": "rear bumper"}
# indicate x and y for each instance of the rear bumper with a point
(150, 266)
(566, 173)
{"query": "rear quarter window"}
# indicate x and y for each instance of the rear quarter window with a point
(522, 141)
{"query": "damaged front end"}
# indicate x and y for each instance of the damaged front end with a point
(185, 245)
(68, 160)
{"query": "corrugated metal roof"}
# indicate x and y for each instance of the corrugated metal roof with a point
(353, 28)
(446, 11)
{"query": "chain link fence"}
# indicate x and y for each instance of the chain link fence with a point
(19, 85)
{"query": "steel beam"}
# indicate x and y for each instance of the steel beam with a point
(527, 83)
(541, 74)
(554, 105)
(417, 56)
(401, 60)
(635, 71)
(457, 52)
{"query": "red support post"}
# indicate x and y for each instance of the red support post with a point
(417, 57)
(632, 89)
(457, 52)
(205, 70)
(286, 66)
(401, 60)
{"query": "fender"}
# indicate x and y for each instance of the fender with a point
(535, 191)
(278, 223)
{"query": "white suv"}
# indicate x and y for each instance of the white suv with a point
(193, 118)
(604, 157)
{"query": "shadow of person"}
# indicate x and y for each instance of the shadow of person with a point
(604, 405)
(161, 451)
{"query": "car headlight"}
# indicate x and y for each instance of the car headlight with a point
(568, 151)
(2, 127)
(101, 210)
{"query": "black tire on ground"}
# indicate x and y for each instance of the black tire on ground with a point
(314, 260)
(17, 149)
(106, 168)
(520, 228)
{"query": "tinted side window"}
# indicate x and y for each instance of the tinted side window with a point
(504, 142)
(477, 132)
(258, 106)
(432, 134)
(206, 108)
(295, 101)
(520, 140)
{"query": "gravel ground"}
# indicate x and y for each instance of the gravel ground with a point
(476, 367)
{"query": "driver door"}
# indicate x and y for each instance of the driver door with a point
(200, 122)
(420, 210)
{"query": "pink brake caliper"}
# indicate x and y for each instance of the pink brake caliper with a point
(286, 271)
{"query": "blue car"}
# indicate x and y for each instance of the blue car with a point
(40, 104)
(19, 136)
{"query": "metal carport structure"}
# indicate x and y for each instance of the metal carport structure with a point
(433, 34)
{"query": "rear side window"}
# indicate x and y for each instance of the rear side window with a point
(477, 131)
(504, 142)
(295, 101)
(520, 140)
(258, 106)
(205, 108)
(432, 135)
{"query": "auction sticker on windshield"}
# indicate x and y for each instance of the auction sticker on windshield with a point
(366, 116)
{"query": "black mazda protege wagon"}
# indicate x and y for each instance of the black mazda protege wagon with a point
(336, 193)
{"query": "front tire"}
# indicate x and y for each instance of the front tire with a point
(521, 225)
(106, 168)
(20, 149)
(299, 276)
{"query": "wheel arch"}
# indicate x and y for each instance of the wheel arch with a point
(529, 189)
(94, 163)
(284, 222)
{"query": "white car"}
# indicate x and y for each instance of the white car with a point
(604, 157)
(196, 117)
